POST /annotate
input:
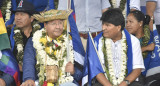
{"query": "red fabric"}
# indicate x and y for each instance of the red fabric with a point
(0, 14)
(15, 76)
(45, 83)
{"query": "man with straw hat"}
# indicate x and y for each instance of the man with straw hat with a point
(49, 53)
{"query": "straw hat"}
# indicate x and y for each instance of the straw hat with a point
(52, 15)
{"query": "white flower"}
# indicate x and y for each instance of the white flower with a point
(123, 65)
(16, 31)
(8, 12)
(19, 47)
(41, 55)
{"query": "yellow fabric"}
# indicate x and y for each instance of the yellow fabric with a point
(2, 26)
(50, 84)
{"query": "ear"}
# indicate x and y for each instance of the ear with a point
(119, 27)
(32, 19)
(140, 23)
(45, 24)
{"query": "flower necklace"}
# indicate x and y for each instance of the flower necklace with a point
(5, 8)
(122, 5)
(8, 12)
(145, 39)
(109, 60)
(56, 52)
(19, 41)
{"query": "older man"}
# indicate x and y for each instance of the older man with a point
(50, 50)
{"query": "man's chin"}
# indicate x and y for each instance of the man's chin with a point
(106, 36)
(19, 26)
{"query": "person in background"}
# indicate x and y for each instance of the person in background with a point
(88, 13)
(153, 10)
(126, 5)
(138, 25)
(22, 30)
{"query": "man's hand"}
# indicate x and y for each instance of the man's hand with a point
(70, 68)
(2, 82)
(28, 83)
(123, 83)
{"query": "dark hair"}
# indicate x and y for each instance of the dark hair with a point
(141, 17)
(113, 16)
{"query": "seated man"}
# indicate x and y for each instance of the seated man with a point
(119, 51)
(49, 53)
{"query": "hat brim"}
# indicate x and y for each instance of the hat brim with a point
(52, 15)
(30, 12)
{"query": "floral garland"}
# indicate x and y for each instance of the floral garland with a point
(19, 41)
(4, 6)
(56, 53)
(8, 12)
(122, 5)
(145, 39)
(109, 60)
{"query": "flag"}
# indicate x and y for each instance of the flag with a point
(11, 20)
(3, 34)
(93, 62)
(92, 65)
(72, 7)
(77, 44)
(50, 5)
(154, 66)
(128, 7)
(9, 65)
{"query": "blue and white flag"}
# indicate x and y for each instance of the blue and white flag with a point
(128, 7)
(77, 44)
(79, 52)
(92, 63)
(154, 66)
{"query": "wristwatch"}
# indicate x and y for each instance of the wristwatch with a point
(127, 82)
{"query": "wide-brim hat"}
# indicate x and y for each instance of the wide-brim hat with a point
(52, 15)
(25, 6)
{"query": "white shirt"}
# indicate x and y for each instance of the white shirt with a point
(88, 13)
(156, 12)
(116, 48)
(134, 4)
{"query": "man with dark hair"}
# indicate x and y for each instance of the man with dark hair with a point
(120, 52)
(22, 30)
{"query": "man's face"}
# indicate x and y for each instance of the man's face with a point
(22, 20)
(54, 28)
(110, 30)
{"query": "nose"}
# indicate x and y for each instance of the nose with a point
(103, 27)
(57, 25)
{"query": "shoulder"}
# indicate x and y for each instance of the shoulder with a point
(134, 39)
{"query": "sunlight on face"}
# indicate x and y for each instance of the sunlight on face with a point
(54, 28)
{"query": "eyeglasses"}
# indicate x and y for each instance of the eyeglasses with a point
(56, 23)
